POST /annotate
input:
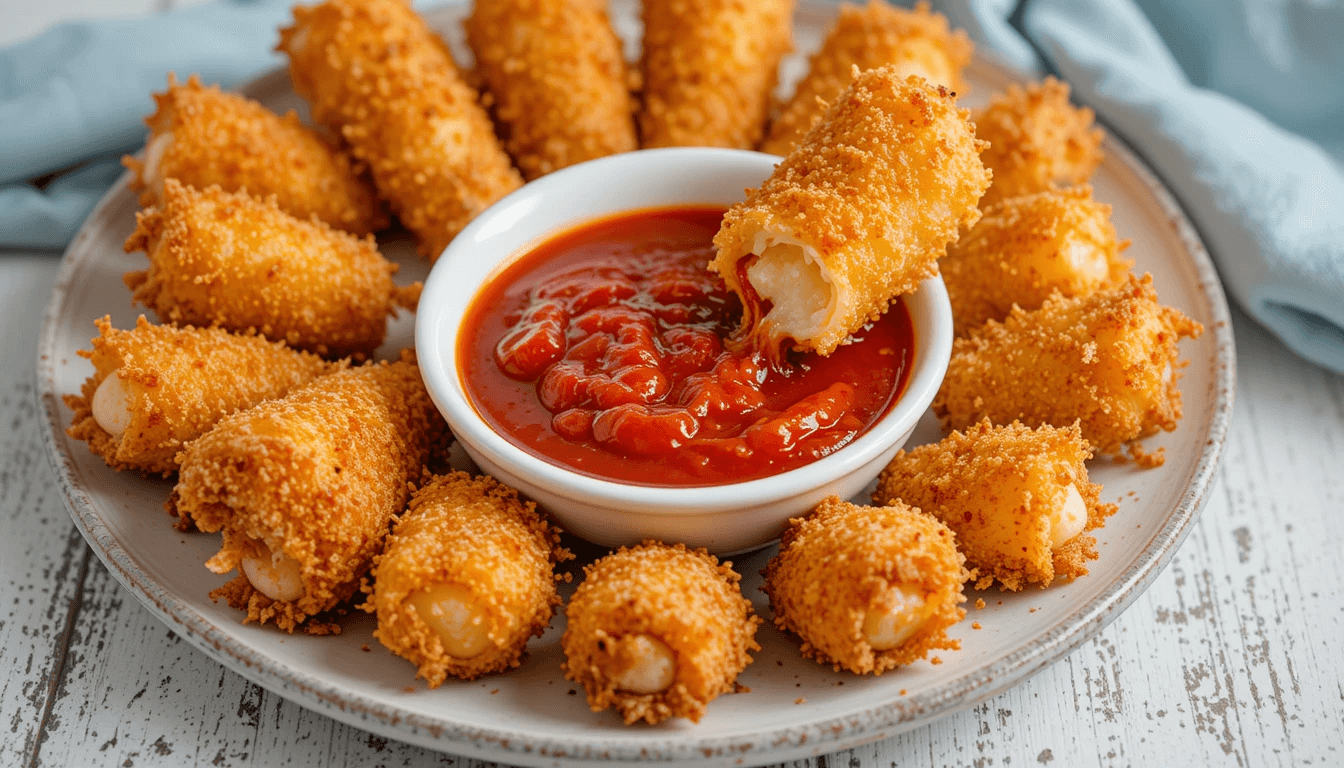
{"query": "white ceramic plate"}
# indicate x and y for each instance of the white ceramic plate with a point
(531, 715)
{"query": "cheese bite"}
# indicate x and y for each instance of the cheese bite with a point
(202, 136)
(867, 589)
(658, 631)
(156, 388)
(914, 42)
(227, 259)
(376, 74)
(708, 68)
(1025, 248)
(1108, 361)
(557, 78)
(305, 487)
(838, 230)
(1017, 498)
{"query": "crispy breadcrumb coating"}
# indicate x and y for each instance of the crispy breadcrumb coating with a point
(684, 598)
(315, 477)
(1037, 140)
(1108, 360)
(843, 561)
(709, 67)
(201, 136)
(178, 383)
(374, 72)
(915, 42)
(1025, 248)
(856, 215)
(557, 77)
(231, 260)
(474, 533)
(1001, 489)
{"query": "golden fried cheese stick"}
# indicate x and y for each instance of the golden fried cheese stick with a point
(466, 577)
(856, 215)
(156, 388)
(709, 67)
(304, 488)
(231, 260)
(373, 71)
(658, 631)
(915, 42)
(867, 589)
(1017, 498)
(1107, 360)
(555, 71)
(201, 136)
(1037, 139)
(1025, 248)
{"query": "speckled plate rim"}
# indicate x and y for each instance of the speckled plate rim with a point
(820, 736)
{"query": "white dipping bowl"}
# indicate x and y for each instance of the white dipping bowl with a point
(725, 519)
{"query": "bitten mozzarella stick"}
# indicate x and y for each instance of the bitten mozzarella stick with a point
(466, 577)
(867, 589)
(1037, 140)
(231, 260)
(555, 71)
(856, 215)
(1107, 360)
(304, 488)
(373, 71)
(709, 67)
(658, 631)
(1025, 248)
(156, 388)
(1017, 498)
(914, 42)
(201, 137)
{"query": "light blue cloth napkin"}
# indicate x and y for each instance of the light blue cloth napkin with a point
(1239, 107)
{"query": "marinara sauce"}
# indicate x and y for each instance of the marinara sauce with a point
(603, 350)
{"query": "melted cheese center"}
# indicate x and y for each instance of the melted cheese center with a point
(1069, 519)
(652, 665)
(452, 613)
(277, 576)
(790, 276)
(895, 617)
(111, 406)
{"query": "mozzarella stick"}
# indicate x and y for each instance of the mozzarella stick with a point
(466, 577)
(1037, 140)
(556, 75)
(1017, 498)
(914, 42)
(373, 71)
(867, 589)
(1025, 248)
(304, 488)
(658, 631)
(156, 388)
(226, 259)
(709, 67)
(201, 136)
(1108, 360)
(856, 215)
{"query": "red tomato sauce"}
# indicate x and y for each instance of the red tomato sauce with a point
(603, 350)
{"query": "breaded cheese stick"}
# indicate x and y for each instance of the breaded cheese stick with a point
(1018, 499)
(201, 136)
(465, 578)
(867, 589)
(658, 631)
(856, 215)
(156, 388)
(305, 487)
(227, 259)
(556, 74)
(1037, 140)
(373, 71)
(1025, 248)
(709, 67)
(1108, 360)
(916, 42)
